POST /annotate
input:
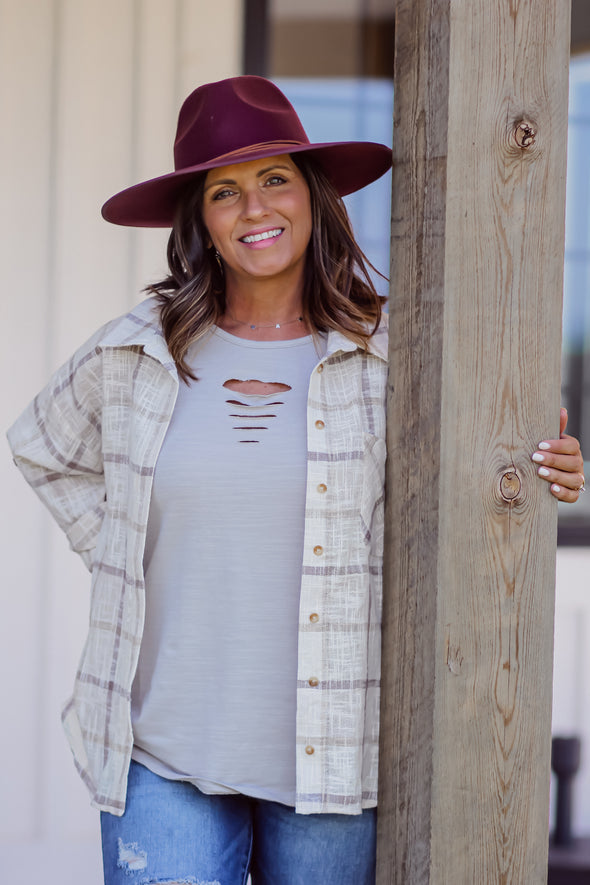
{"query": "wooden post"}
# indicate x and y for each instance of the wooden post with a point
(477, 235)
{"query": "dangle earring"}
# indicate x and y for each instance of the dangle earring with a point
(219, 261)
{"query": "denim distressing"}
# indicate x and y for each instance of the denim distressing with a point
(171, 832)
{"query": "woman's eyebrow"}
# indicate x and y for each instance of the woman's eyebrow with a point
(220, 181)
(264, 171)
(270, 169)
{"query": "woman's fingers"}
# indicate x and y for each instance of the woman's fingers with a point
(565, 445)
(568, 459)
(563, 416)
(560, 463)
(562, 493)
(565, 486)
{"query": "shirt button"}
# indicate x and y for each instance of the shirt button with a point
(319, 425)
(321, 367)
(309, 750)
(314, 617)
(318, 550)
(314, 681)
(322, 488)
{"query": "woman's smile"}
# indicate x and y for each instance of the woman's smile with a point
(263, 238)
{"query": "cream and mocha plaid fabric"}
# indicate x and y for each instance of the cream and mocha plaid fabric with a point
(88, 445)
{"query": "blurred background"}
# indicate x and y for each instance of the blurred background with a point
(89, 96)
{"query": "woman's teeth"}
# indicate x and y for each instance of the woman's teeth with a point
(266, 235)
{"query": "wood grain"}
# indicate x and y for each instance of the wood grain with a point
(477, 264)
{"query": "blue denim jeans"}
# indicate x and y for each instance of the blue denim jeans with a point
(173, 833)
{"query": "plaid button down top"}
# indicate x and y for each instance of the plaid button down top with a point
(88, 445)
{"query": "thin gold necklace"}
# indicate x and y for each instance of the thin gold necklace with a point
(264, 325)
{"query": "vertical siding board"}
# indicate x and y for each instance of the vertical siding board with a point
(156, 116)
(93, 137)
(94, 143)
(200, 58)
(25, 167)
(571, 686)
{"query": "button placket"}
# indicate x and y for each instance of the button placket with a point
(311, 654)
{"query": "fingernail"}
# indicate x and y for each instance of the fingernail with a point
(538, 457)
(542, 471)
(555, 488)
(544, 445)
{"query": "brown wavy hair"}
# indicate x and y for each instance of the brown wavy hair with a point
(338, 292)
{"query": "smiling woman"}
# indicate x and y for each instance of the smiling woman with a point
(217, 514)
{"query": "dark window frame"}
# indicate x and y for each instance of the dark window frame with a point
(255, 39)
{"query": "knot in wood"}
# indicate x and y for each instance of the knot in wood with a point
(524, 134)
(510, 485)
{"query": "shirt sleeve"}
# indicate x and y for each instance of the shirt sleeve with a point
(57, 445)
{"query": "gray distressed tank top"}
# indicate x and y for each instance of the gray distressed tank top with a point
(214, 697)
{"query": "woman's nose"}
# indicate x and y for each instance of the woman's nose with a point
(254, 204)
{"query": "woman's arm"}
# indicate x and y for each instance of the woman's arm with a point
(560, 463)
(57, 445)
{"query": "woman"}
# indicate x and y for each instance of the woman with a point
(217, 458)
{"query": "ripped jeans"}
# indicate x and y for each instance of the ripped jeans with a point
(173, 833)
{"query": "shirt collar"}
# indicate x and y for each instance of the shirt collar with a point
(376, 345)
(141, 328)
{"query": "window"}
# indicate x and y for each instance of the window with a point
(574, 522)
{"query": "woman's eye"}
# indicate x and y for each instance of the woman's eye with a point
(276, 179)
(221, 195)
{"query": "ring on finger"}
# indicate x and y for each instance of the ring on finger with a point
(582, 488)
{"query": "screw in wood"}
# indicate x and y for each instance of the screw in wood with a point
(524, 134)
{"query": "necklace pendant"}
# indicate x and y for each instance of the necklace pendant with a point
(278, 326)
(252, 327)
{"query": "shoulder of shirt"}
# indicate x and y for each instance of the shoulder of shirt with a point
(378, 342)
(376, 345)
(137, 327)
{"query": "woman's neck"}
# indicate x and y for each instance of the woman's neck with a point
(264, 313)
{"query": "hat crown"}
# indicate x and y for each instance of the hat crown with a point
(232, 115)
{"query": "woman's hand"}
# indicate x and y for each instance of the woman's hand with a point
(561, 464)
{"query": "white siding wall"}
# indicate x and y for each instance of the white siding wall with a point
(89, 95)
(571, 681)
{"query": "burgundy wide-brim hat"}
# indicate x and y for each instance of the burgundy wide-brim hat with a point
(233, 121)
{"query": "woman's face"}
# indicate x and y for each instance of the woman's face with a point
(258, 215)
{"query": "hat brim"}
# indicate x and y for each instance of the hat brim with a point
(350, 166)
